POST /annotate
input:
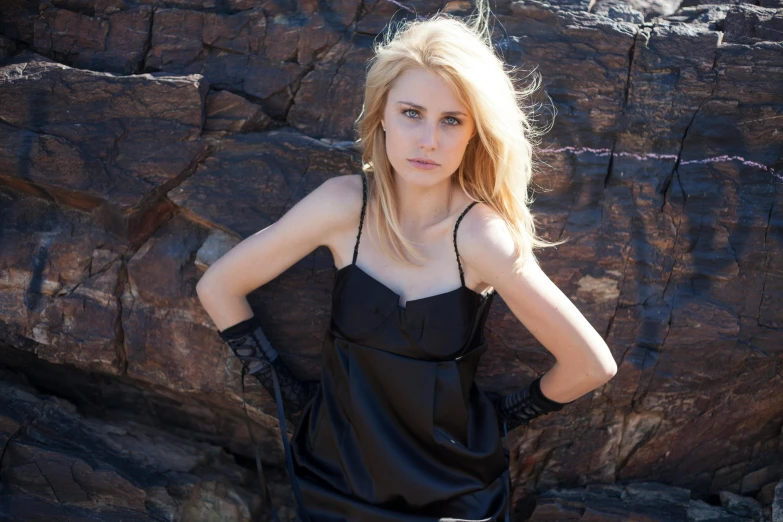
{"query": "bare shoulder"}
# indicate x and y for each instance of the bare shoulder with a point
(488, 249)
(483, 228)
(335, 206)
(486, 245)
(322, 217)
(342, 197)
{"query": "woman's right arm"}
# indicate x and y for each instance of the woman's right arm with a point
(316, 220)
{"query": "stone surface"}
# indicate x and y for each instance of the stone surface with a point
(227, 113)
(647, 501)
(59, 466)
(98, 142)
(777, 503)
(740, 506)
(140, 140)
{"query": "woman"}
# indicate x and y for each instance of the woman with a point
(397, 429)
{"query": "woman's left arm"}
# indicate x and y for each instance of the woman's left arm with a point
(584, 361)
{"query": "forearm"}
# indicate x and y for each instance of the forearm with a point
(545, 394)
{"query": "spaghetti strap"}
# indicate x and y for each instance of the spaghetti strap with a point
(361, 219)
(459, 265)
(370, 340)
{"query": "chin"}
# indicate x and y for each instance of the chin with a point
(420, 178)
(424, 178)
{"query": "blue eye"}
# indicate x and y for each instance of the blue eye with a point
(448, 117)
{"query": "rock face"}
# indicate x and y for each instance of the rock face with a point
(140, 140)
(58, 465)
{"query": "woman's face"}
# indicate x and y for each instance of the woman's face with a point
(424, 119)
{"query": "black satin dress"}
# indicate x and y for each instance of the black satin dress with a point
(398, 430)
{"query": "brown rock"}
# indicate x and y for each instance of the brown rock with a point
(7, 47)
(264, 175)
(662, 168)
(767, 493)
(59, 277)
(60, 466)
(261, 54)
(230, 113)
(110, 41)
(748, 24)
(114, 144)
(69, 290)
(336, 82)
(756, 480)
(181, 37)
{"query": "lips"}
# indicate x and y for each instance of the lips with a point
(424, 161)
(417, 164)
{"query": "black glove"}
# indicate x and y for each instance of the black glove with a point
(251, 346)
(523, 405)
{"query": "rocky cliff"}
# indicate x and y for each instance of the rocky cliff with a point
(140, 139)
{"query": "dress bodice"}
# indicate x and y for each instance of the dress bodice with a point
(435, 328)
(399, 431)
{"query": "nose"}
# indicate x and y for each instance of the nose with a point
(428, 138)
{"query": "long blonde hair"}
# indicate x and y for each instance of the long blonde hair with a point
(497, 166)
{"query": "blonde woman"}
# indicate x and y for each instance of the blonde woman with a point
(435, 225)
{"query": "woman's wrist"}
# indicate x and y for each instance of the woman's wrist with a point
(545, 402)
(525, 404)
(248, 335)
(251, 346)
(240, 328)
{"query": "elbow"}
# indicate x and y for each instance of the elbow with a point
(212, 290)
(208, 281)
(605, 369)
(204, 288)
(609, 372)
(201, 286)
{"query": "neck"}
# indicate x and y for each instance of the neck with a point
(422, 207)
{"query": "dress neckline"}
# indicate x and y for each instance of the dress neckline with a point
(409, 302)
(400, 307)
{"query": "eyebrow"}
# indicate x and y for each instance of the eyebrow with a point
(415, 106)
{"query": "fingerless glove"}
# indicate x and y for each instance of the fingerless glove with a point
(250, 345)
(524, 405)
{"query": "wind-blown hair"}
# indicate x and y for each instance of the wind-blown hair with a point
(497, 165)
